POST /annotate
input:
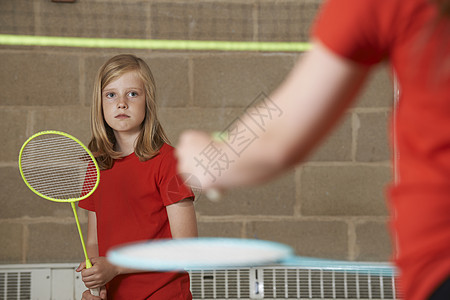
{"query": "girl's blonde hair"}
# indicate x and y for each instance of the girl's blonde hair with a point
(443, 7)
(103, 141)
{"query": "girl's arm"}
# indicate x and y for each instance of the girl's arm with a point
(102, 270)
(92, 251)
(182, 219)
(310, 101)
(91, 240)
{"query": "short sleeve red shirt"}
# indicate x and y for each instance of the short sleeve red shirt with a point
(130, 205)
(408, 36)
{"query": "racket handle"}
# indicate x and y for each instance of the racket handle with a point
(95, 292)
(214, 194)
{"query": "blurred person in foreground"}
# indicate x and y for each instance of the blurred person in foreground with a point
(350, 37)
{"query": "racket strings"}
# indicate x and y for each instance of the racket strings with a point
(58, 167)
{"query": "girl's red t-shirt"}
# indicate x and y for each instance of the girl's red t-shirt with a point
(130, 205)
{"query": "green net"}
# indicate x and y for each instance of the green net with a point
(173, 25)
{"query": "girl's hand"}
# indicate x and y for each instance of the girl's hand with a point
(99, 274)
(88, 296)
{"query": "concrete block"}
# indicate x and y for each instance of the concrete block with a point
(11, 237)
(343, 190)
(13, 131)
(122, 19)
(172, 82)
(326, 239)
(75, 121)
(237, 80)
(53, 242)
(373, 242)
(275, 198)
(378, 91)
(17, 17)
(373, 143)
(19, 201)
(201, 20)
(39, 79)
(220, 229)
(338, 145)
(286, 21)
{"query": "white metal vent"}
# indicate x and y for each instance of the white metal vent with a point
(60, 282)
(15, 285)
(40, 281)
(291, 283)
(220, 284)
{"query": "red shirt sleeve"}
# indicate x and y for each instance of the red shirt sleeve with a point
(172, 187)
(91, 178)
(88, 203)
(356, 29)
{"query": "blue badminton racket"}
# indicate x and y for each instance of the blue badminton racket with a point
(225, 253)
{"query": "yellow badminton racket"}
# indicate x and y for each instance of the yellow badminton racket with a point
(58, 167)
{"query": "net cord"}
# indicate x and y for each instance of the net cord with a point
(81, 42)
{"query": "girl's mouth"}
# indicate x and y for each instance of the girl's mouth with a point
(122, 116)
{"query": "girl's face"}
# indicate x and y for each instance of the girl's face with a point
(123, 103)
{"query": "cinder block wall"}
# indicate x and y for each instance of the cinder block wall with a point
(332, 206)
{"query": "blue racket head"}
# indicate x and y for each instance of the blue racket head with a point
(198, 254)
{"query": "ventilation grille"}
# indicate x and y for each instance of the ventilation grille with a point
(220, 284)
(60, 281)
(319, 284)
(15, 285)
(291, 283)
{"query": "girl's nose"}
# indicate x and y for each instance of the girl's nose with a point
(122, 103)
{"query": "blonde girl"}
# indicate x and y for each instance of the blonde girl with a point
(140, 196)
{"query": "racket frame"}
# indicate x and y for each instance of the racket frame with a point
(72, 201)
(284, 255)
(79, 143)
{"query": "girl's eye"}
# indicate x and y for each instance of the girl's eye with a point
(132, 94)
(109, 95)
